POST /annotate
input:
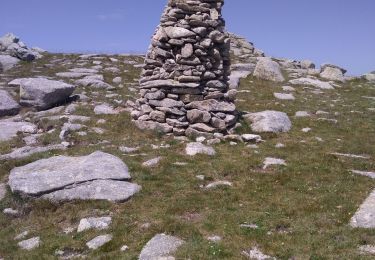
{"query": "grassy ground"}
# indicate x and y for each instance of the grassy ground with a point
(302, 209)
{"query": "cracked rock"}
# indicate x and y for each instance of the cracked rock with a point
(98, 176)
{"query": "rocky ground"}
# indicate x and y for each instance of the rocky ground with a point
(286, 184)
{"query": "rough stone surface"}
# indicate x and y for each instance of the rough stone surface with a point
(3, 191)
(269, 121)
(8, 106)
(332, 72)
(105, 109)
(188, 62)
(256, 254)
(29, 244)
(42, 93)
(267, 69)
(365, 215)
(199, 148)
(9, 129)
(160, 246)
(98, 176)
(27, 151)
(11, 45)
(7, 62)
(284, 96)
(94, 223)
(269, 161)
(98, 241)
(311, 82)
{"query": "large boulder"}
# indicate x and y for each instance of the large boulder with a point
(98, 176)
(161, 246)
(8, 106)
(370, 77)
(267, 69)
(332, 72)
(7, 62)
(269, 122)
(42, 93)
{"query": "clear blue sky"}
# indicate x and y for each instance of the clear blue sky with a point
(337, 31)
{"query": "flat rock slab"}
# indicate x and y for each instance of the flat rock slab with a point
(269, 121)
(8, 106)
(27, 151)
(99, 241)
(115, 191)
(365, 173)
(199, 148)
(365, 215)
(9, 129)
(43, 93)
(160, 246)
(98, 176)
(311, 82)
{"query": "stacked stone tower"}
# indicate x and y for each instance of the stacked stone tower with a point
(184, 83)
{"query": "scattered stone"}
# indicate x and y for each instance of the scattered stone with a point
(269, 161)
(251, 138)
(124, 248)
(352, 155)
(125, 149)
(161, 246)
(117, 80)
(152, 163)
(94, 223)
(288, 88)
(29, 244)
(250, 226)
(306, 130)
(302, 114)
(21, 235)
(105, 109)
(216, 184)
(27, 151)
(279, 145)
(99, 241)
(11, 212)
(267, 69)
(364, 173)
(255, 253)
(3, 191)
(367, 249)
(365, 215)
(283, 96)
(199, 148)
(8, 106)
(269, 121)
(98, 176)
(311, 82)
(214, 239)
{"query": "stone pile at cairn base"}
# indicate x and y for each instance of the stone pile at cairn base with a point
(184, 83)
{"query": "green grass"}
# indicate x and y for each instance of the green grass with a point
(302, 210)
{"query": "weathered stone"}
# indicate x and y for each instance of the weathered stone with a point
(7, 62)
(3, 191)
(97, 176)
(105, 109)
(273, 161)
(29, 244)
(269, 121)
(8, 106)
(161, 246)
(267, 69)
(43, 93)
(311, 82)
(94, 223)
(154, 126)
(284, 96)
(199, 148)
(98, 241)
(212, 105)
(198, 116)
(9, 129)
(365, 215)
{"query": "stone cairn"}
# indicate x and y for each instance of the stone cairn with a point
(184, 84)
